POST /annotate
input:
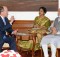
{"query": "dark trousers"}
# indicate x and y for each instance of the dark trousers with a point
(10, 40)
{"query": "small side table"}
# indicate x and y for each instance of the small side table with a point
(27, 36)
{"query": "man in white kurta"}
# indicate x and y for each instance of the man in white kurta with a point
(52, 39)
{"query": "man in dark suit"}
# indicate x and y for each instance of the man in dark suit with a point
(5, 26)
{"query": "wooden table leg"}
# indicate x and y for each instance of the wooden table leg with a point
(34, 42)
(41, 51)
(57, 52)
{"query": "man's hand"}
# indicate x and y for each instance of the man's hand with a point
(15, 32)
(54, 31)
(12, 19)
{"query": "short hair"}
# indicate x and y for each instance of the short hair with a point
(1, 9)
(43, 8)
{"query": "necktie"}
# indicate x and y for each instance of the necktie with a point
(4, 37)
(4, 21)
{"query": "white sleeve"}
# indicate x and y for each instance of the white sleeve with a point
(52, 25)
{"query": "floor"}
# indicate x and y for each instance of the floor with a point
(38, 53)
(28, 54)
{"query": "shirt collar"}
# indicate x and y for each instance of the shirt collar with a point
(59, 16)
(2, 17)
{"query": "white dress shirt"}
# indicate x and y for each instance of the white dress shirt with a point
(3, 20)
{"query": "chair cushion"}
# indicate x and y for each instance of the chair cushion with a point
(5, 45)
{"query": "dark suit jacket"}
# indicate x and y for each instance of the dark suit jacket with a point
(5, 28)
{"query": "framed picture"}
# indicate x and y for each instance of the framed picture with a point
(30, 5)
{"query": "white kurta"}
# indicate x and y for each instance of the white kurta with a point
(51, 39)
